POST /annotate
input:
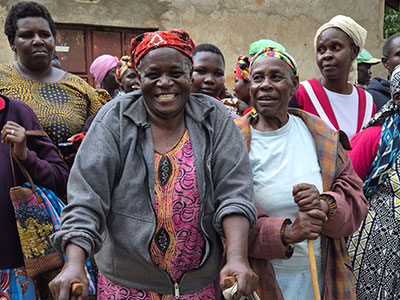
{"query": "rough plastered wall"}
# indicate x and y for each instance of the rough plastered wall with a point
(231, 25)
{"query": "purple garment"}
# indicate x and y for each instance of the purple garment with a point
(43, 164)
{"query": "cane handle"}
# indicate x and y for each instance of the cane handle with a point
(76, 289)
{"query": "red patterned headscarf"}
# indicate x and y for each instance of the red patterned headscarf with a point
(242, 68)
(177, 39)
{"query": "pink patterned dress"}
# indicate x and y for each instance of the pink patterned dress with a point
(178, 243)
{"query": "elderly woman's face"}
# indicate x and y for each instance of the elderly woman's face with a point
(34, 43)
(165, 82)
(335, 53)
(272, 86)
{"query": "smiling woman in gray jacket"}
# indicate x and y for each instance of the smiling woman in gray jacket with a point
(158, 180)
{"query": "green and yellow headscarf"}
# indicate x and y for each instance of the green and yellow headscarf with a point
(278, 53)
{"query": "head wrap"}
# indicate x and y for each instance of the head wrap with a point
(395, 81)
(356, 32)
(177, 39)
(390, 108)
(122, 65)
(242, 68)
(261, 44)
(100, 67)
(275, 52)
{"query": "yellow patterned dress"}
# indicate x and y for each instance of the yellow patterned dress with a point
(62, 107)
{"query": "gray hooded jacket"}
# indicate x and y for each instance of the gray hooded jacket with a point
(111, 191)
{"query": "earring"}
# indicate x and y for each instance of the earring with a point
(13, 48)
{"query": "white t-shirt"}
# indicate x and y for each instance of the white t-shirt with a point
(279, 160)
(345, 108)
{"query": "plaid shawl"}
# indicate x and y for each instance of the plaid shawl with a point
(339, 278)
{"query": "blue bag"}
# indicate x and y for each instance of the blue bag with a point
(54, 206)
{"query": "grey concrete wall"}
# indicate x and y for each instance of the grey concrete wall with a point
(230, 24)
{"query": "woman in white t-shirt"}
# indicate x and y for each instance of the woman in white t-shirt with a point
(304, 186)
(334, 97)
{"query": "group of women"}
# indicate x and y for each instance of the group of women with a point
(168, 209)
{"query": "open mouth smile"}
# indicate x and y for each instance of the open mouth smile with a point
(165, 97)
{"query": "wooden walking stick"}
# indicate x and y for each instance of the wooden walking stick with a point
(76, 289)
(313, 268)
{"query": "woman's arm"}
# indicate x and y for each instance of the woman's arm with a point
(364, 148)
(89, 195)
(265, 241)
(236, 228)
(351, 204)
(231, 174)
(37, 154)
(73, 271)
(97, 98)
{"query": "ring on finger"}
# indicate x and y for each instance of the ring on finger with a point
(12, 132)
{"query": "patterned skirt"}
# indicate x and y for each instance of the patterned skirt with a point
(107, 289)
(375, 247)
(15, 285)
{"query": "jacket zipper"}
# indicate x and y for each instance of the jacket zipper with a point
(176, 290)
(175, 284)
(208, 169)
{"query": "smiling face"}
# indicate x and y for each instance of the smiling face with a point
(335, 53)
(34, 43)
(272, 86)
(130, 80)
(208, 73)
(165, 82)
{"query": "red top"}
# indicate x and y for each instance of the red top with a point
(364, 148)
(2, 103)
(306, 104)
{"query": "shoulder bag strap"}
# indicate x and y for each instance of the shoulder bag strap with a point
(21, 167)
(35, 133)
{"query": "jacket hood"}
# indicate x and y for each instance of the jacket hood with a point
(379, 84)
